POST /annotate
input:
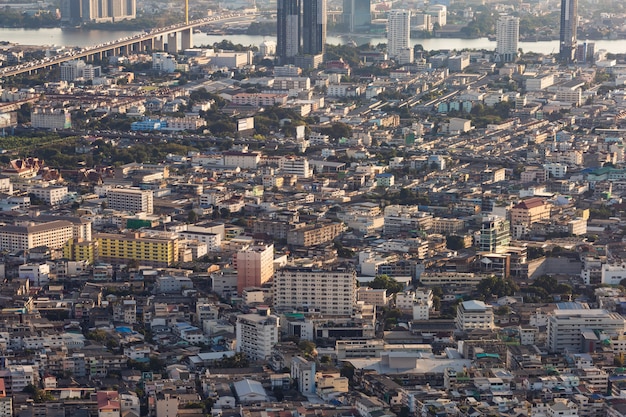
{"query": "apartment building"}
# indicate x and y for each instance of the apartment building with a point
(400, 219)
(313, 235)
(474, 314)
(257, 334)
(306, 289)
(51, 234)
(52, 195)
(243, 160)
(133, 200)
(159, 249)
(568, 328)
(254, 265)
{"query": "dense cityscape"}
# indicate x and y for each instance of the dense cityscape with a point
(297, 228)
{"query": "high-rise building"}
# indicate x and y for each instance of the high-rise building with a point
(357, 15)
(81, 11)
(495, 233)
(257, 334)
(254, 265)
(585, 52)
(507, 36)
(128, 199)
(288, 30)
(398, 32)
(313, 27)
(326, 292)
(569, 25)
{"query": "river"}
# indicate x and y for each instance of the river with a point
(86, 37)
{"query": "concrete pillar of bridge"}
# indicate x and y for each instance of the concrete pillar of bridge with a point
(186, 39)
(158, 43)
(147, 44)
(172, 43)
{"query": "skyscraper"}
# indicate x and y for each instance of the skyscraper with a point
(357, 15)
(288, 30)
(313, 27)
(507, 36)
(301, 31)
(398, 32)
(569, 25)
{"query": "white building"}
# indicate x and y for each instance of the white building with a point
(133, 200)
(37, 274)
(398, 32)
(303, 371)
(306, 289)
(52, 195)
(567, 327)
(613, 274)
(52, 234)
(49, 118)
(507, 37)
(163, 62)
(295, 166)
(474, 314)
(438, 13)
(257, 334)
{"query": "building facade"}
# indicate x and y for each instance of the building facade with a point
(257, 334)
(306, 289)
(254, 265)
(398, 32)
(126, 199)
(569, 25)
(507, 37)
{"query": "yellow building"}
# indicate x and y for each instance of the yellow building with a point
(81, 250)
(158, 249)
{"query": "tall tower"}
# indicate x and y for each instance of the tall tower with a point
(398, 32)
(313, 27)
(357, 15)
(288, 30)
(507, 36)
(569, 25)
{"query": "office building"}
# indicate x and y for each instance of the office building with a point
(474, 314)
(507, 37)
(398, 32)
(569, 25)
(568, 329)
(133, 200)
(288, 30)
(306, 289)
(52, 235)
(357, 15)
(254, 265)
(158, 249)
(301, 32)
(585, 52)
(495, 234)
(313, 27)
(82, 11)
(257, 334)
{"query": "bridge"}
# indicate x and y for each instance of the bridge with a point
(160, 39)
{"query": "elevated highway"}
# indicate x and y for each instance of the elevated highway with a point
(168, 38)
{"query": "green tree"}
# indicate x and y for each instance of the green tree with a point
(454, 242)
(497, 286)
(384, 281)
